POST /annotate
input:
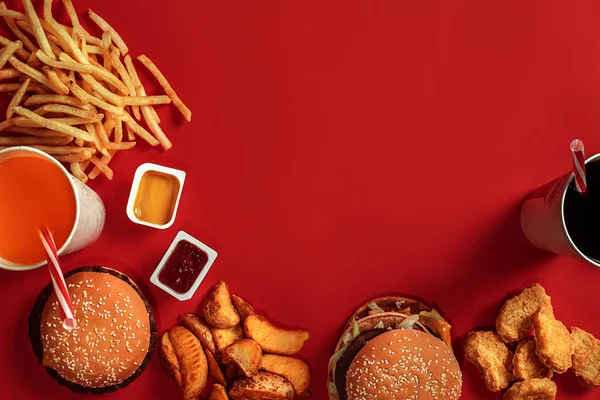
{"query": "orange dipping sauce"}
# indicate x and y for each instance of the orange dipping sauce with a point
(156, 198)
(34, 193)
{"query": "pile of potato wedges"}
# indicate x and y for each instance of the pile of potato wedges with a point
(243, 354)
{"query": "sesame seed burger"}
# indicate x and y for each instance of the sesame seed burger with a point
(114, 338)
(395, 348)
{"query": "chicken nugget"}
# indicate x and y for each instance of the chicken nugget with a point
(515, 318)
(553, 342)
(586, 360)
(526, 364)
(488, 352)
(532, 389)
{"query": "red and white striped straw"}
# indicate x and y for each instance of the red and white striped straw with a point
(58, 281)
(579, 165)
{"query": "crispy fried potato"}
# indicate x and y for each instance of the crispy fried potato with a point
(214, 370)
(262, 386)
(218, 308)
(226, 337)
(198, 326)
(532, 389)
(294, 370)
(527, 364)
(273, 339)
(168, 358)
(218, 392)
(246, 354)
(554, 344)
(586, 360)
(242, 306)
(192, 361)
(491, 356)
(515, 318)
(231, 373)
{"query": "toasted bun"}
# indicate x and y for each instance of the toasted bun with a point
(115, 332)
(402, 365)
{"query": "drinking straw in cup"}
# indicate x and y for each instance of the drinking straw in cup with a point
(58, 281)
(579, 165)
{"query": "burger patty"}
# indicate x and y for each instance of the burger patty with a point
(346, 359)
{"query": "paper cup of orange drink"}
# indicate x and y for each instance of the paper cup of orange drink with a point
(36, 191)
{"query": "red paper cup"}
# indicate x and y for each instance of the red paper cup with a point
(90, 211)
(545, 222)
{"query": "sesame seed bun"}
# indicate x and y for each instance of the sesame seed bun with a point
(113, 341)
(404, 364)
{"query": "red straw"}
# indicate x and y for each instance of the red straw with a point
(579, 165)
(58, 281)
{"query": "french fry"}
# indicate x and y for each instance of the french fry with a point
(91, 128)
(146, 100)
(106, 170)
(106, 41)
(61, 33)
(20, 52)
(105, 159)
(31, 72)
(118, 130)
(8, 51)
(153, 125)
(136, 82)
(70, 121)
(8, 123)
(106, 27)
(16, 100)
(9, 73)
(32, 140)
(101, 134)
(13, 87)
(130, 134)
(139, 130)
(37, 28)
(37, 99)
(54, 125)
(120, 146)
(58, 85)
(77, 172)
(52, 40)
(69, 110)
(83, 155)
(73, 16)
(91, 49)
(187, 114)
(40, 132)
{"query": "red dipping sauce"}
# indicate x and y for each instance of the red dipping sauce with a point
(183, 267)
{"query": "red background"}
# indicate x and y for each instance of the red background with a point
(344, 150)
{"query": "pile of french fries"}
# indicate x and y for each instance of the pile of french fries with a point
(75, 96)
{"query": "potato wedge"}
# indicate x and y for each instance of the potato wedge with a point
(198, 326)
(218, 308)
(262, 386)
(214, 370)
(192, 361)
(294, 370)
(226, 337)
(168, 358)
(273, 339)
(246, 354)
(218, 392)
(242, 306)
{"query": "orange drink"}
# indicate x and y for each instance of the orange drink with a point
(35, 192)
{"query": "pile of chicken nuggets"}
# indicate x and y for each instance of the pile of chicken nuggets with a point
(529, 346)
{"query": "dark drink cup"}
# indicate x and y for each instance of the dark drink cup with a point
(559, 219)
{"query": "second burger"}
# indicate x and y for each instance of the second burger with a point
(394, 348)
